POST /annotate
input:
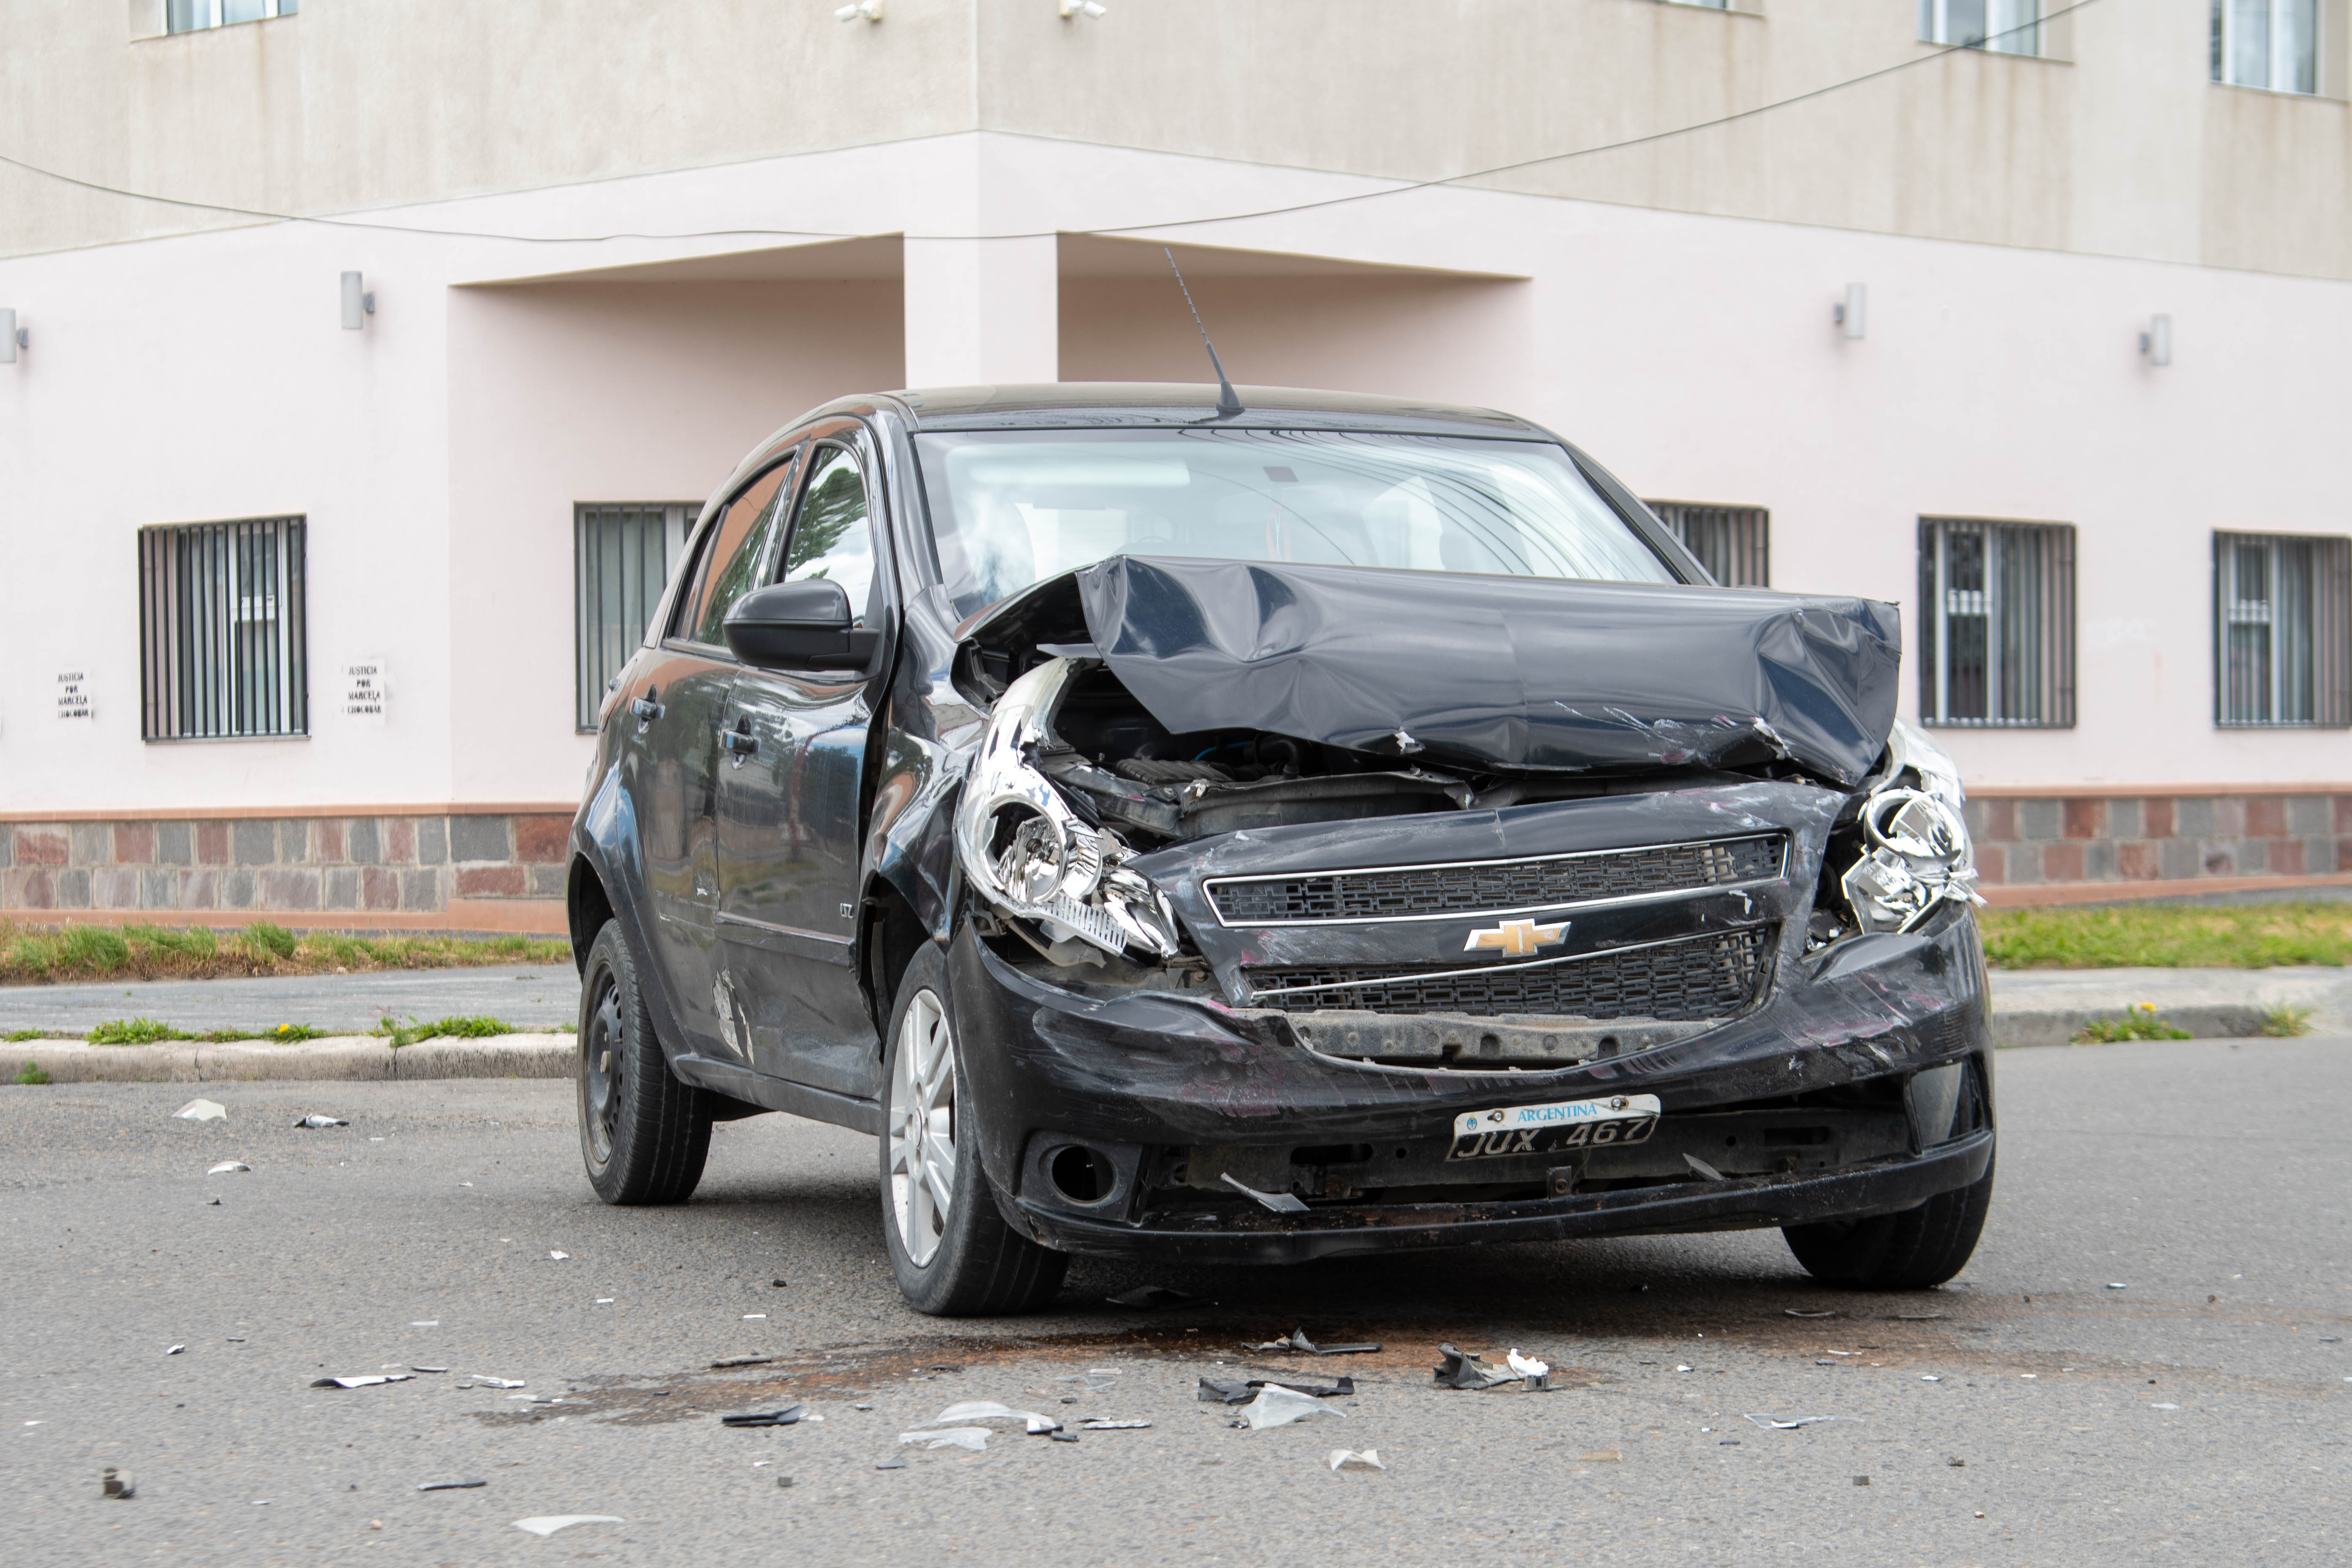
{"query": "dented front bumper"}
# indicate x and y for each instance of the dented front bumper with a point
(1870, 1062)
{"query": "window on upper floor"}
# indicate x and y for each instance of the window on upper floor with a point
(2270, 44)
(1732, 543)
(2004, 27)
(1997, 623)
(2282, 655)
(195, 16)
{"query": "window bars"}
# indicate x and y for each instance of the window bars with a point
(1732, 543)
(2282, 648)
(622, 556)
(1996, 631)
(224, 647)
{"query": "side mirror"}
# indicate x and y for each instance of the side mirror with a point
(799, 626)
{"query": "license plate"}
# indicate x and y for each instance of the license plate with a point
(1545, 1129)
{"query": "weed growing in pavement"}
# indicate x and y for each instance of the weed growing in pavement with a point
(456, 1026)
(13, 1035)
(2139, 1024)
(32, 1074)
(2168, 936)
(2285, 1020)
(161, 952)
(135, 1032)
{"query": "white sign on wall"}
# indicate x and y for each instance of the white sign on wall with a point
(365, 680)
(73, 696)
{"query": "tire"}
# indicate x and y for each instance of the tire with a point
(956, 1258)
(1915, 1250)
(643, 1134)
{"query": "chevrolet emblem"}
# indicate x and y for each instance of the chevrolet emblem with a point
(1517, 938)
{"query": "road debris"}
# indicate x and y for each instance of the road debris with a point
(1790, 1423)
(1348, 1459)
(788, 1415)
(1600, 1457)
(1063, 1437)
(1931, 1377)
(1278, 1406)
(547, 1524)
(559, 1256)
(972, 1410)
(481, 1382)
(741, 1360)
(1300, 1342)
(1801, 1312)
(449, 1486)
(1224, 1391)
(428, 1368)
(1466, 1369)
(972, 1437)
(117, 1484)
(1957, 1463)
(176, 1350)
(1099, 1424)
(1276, 1202)
(893, 1463)
(315, 1121)
(1915, 1317)
(202, 1110)
(1861, 1481)
(368, 1381)
(1526, 1365)
(1150, 1298)
(226, 1167)
(2118, 1285)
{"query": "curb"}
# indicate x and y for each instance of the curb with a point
(2059, 1025)
(347, 1059)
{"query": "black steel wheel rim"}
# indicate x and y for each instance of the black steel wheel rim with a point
(604, 1064)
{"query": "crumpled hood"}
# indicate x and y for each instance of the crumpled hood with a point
(1504, 672)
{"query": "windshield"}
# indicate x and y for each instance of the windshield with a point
(1009, 508)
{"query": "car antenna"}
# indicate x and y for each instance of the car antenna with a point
(1228, 404)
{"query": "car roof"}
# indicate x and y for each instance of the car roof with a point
(1080, 404)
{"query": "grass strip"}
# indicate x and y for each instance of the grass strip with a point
(30, 956)
(462, 1027)
(2168, 936)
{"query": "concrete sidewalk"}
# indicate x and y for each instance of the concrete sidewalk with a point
(2029, 1007)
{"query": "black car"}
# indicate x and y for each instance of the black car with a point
(1327, 826)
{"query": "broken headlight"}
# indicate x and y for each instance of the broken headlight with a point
(1029, 855)
(1915, 853)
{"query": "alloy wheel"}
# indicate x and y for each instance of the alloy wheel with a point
(921, 1128)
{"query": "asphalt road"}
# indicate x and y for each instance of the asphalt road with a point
(2030, 1413)
(533, 995)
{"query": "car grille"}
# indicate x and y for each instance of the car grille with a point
(1690, 977)
(1495, 887)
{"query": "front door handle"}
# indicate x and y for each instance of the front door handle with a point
(741, 742)
(646, 708)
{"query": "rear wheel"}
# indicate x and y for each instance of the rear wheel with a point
(1914, 1250)
(643, 1134)
(953, 1254)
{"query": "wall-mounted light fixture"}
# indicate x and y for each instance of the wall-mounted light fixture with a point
(1083, 8)
(1853, 312)
(12, 337)
(359, 302)
(870, 10)
(2157, 341)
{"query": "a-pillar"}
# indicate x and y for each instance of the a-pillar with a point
(983, 312)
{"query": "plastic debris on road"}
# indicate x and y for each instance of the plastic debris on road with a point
(315, 1121)
(1801, 1312)
(1099, 1424)
(1600, 1457)
(202, 1110)
(1466, 1369)
(1150, 1298)
(558, 1256)
(972, 1410)
(481, 1382)
(428, 1368)
(226, 1167)
(449, 1486)
(1348, 1459)
(1277, 1203)
(1278, 1406)
(741, 1360)
(117, 1484)
(176, 1350)
(368, 1381)
(1063, 1437)
(893, 1463)
(1790, 1423)
(972, 1437)
(2118, 1285)
(1237, 1391)
(1526, 1365)
(787, 1416)
(547, 1524)
(1299, 1341)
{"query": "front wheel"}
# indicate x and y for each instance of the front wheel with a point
(643, 1134)
(1915, 1250)
(953, 1254)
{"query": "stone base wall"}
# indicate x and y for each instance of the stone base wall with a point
(2054, 841)
(375, 867)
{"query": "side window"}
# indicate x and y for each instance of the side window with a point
(832, 538)
(731, 562)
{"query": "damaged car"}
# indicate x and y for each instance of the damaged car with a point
(1253, 828)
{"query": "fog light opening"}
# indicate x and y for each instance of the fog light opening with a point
(1080, 1174)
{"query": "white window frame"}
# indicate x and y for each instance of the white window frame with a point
(2011, 26)
(211, 10)
(2281, 65)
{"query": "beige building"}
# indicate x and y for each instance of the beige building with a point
(2028, 318)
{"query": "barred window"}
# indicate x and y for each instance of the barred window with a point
(622, 557)
(1997, 626)
(1732, 543)
(224, 648)
(2281, 652)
